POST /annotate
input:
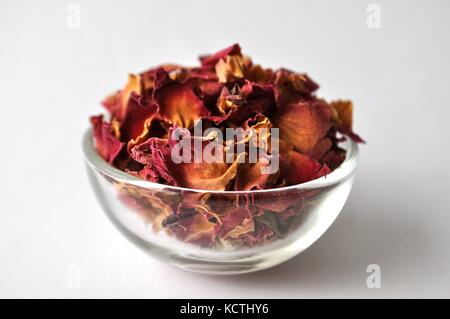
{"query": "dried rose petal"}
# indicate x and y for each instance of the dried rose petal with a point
(209, 176)
(321, 149)
(302, 168)
(250, 176)
(153, 154)
(303, 124)
(230, 69)
(344, 110)
(334, 158)
(150, 77)
(139, 111)
(228, 102)
(211, 61)
(259, 99)
(255, 73)
(106, 143)
(301, 83)
(179, 105)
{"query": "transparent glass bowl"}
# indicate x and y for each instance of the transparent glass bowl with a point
(300, 214)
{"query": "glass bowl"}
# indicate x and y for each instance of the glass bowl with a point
(269, 226)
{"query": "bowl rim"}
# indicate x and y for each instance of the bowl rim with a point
(343, 172)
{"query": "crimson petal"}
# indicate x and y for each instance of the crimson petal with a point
(106, 143)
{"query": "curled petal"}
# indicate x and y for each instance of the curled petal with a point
(178, 104)
(139, 110)
(344, 118)
(106, 144)
(211, 60)
(143, 135)
(153, 154)
(149, 77)
(259, 99)
(133, 85)
(259, 125)
(227, 101)
(256, 136)
(344, 113)
(230, 69)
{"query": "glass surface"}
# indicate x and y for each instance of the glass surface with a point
(141, 210)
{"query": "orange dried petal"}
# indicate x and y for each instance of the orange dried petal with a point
(303, 124)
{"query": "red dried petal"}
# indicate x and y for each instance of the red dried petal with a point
(211, 60)
(259, 99)
(139, 110)
(153, 154)
(334, 158)
(106, 144)
(300, 168)
(321, 148)
(230, 69)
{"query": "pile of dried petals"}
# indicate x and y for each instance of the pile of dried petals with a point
(227, 90)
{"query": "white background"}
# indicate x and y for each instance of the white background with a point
(52, 78)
